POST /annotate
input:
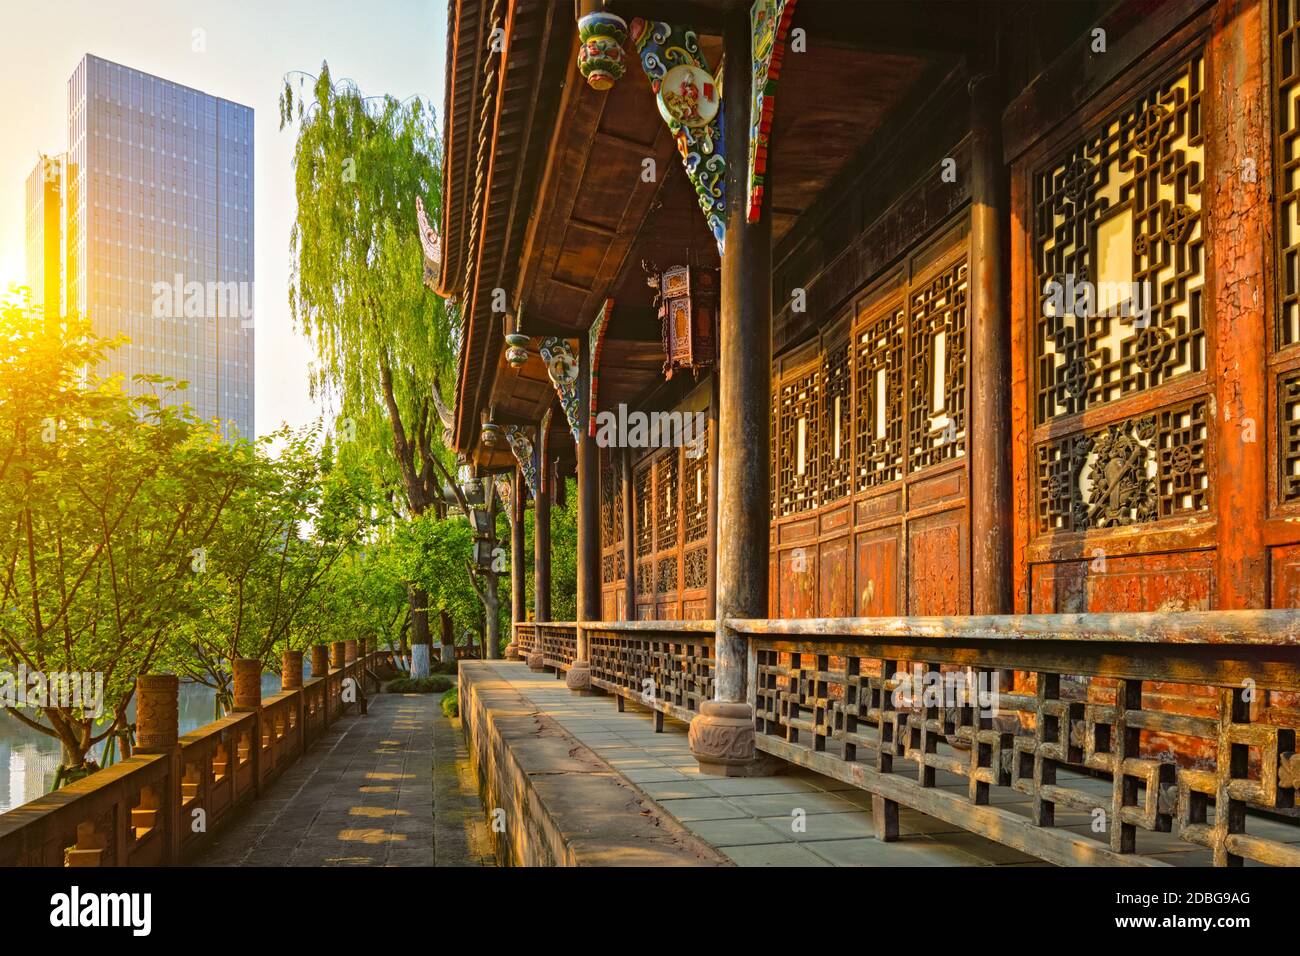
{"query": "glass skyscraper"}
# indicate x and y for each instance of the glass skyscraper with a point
(157, 233)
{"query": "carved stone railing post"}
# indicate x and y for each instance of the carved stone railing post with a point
(722, 736)
(248, 699)
(157, 731)
(291, 679)
(320, 667)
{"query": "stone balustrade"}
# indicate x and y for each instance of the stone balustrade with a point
(162, 804)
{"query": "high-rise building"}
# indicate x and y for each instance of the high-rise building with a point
(45, 233)
(157, 233)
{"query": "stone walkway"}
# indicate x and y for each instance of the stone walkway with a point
(362, 796)
(460, 824)
(794, 819)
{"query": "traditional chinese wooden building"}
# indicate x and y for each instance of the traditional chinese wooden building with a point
(987, 308)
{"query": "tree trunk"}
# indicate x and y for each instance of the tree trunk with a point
(446, 636)
(492, 604)
(420, 641)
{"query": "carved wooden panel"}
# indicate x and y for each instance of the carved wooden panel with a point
(1288, 414)
(797, 579)
(1138, 470)
(1286, 165)
(936, 582)
(836, 418)
(798, 432)
(878, 384)
(1100, 582)
(835, 578)
(936, 413)
(1119, 252)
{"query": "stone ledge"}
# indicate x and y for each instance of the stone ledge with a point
(563, 805)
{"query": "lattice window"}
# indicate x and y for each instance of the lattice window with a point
(666, 580)
(836, 424)
(644, 489)
(1138, 470)
(695, 492)
(667, 503)
(799, 398)
(879, 386)
(774, 475)
(1119, 254)
(644, 577)
(1288, 410)
(1286, 162)
(610, 492)
(937, 394)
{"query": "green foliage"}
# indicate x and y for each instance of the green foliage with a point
(564, 557)
(451, 703)
(419, 685)
(106, 500)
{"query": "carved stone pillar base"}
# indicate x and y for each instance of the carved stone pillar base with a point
(578, 679)
(536, 662)
(722, 738)
(512, 651)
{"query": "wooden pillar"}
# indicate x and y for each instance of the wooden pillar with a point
(541, 555)
(578, 677)
(713, 497)
(1240, 224)
(989, 428)
(629, 539)
(320, 667)
(722, 736)
(518, 571)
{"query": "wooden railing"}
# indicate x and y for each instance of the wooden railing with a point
(162, 808)
(1057, 712)
(525, 634)
(559, 643)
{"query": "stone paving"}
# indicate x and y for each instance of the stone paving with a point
(362, 796)
(793, 819)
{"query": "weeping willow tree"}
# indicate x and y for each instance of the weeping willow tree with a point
(356, 288)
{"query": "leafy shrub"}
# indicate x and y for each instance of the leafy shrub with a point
(451, 702)
(419, 685)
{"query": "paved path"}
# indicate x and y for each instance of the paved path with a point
(460, 824)
(793, 819)
(362, 796)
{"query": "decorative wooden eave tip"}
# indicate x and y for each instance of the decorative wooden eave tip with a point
(431, 243)
(601, 57)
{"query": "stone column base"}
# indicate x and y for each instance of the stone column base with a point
(512, 651)
(722, 740)
(578, 678)
(536, 661)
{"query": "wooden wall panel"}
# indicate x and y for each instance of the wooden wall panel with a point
(1179, 581)
(835, 577)
(935, 545)
(879, 585)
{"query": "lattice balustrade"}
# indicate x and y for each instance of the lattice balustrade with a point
(668, 667)
(836, 703)
(559, 644)
(525, 637)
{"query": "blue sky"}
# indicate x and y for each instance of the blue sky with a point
(237, 49)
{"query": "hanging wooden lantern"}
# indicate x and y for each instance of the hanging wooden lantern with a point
(688, 308)
(601, 55)
(517, 349)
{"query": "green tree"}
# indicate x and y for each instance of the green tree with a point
(106, 502)
(357, 283)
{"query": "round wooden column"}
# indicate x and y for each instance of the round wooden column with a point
(291, 670)
(336, 655)
(248, 684)
(541, 556)
(349, 652)
(518, 572)
(157, 713)
(722, 736)
(578, 677)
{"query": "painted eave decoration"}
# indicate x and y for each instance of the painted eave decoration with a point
(520, 438)
(431, 243)
(769, 22)
(686, 89)
(601, 57)
(504, 493)
(561, 361)
(596, 339)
